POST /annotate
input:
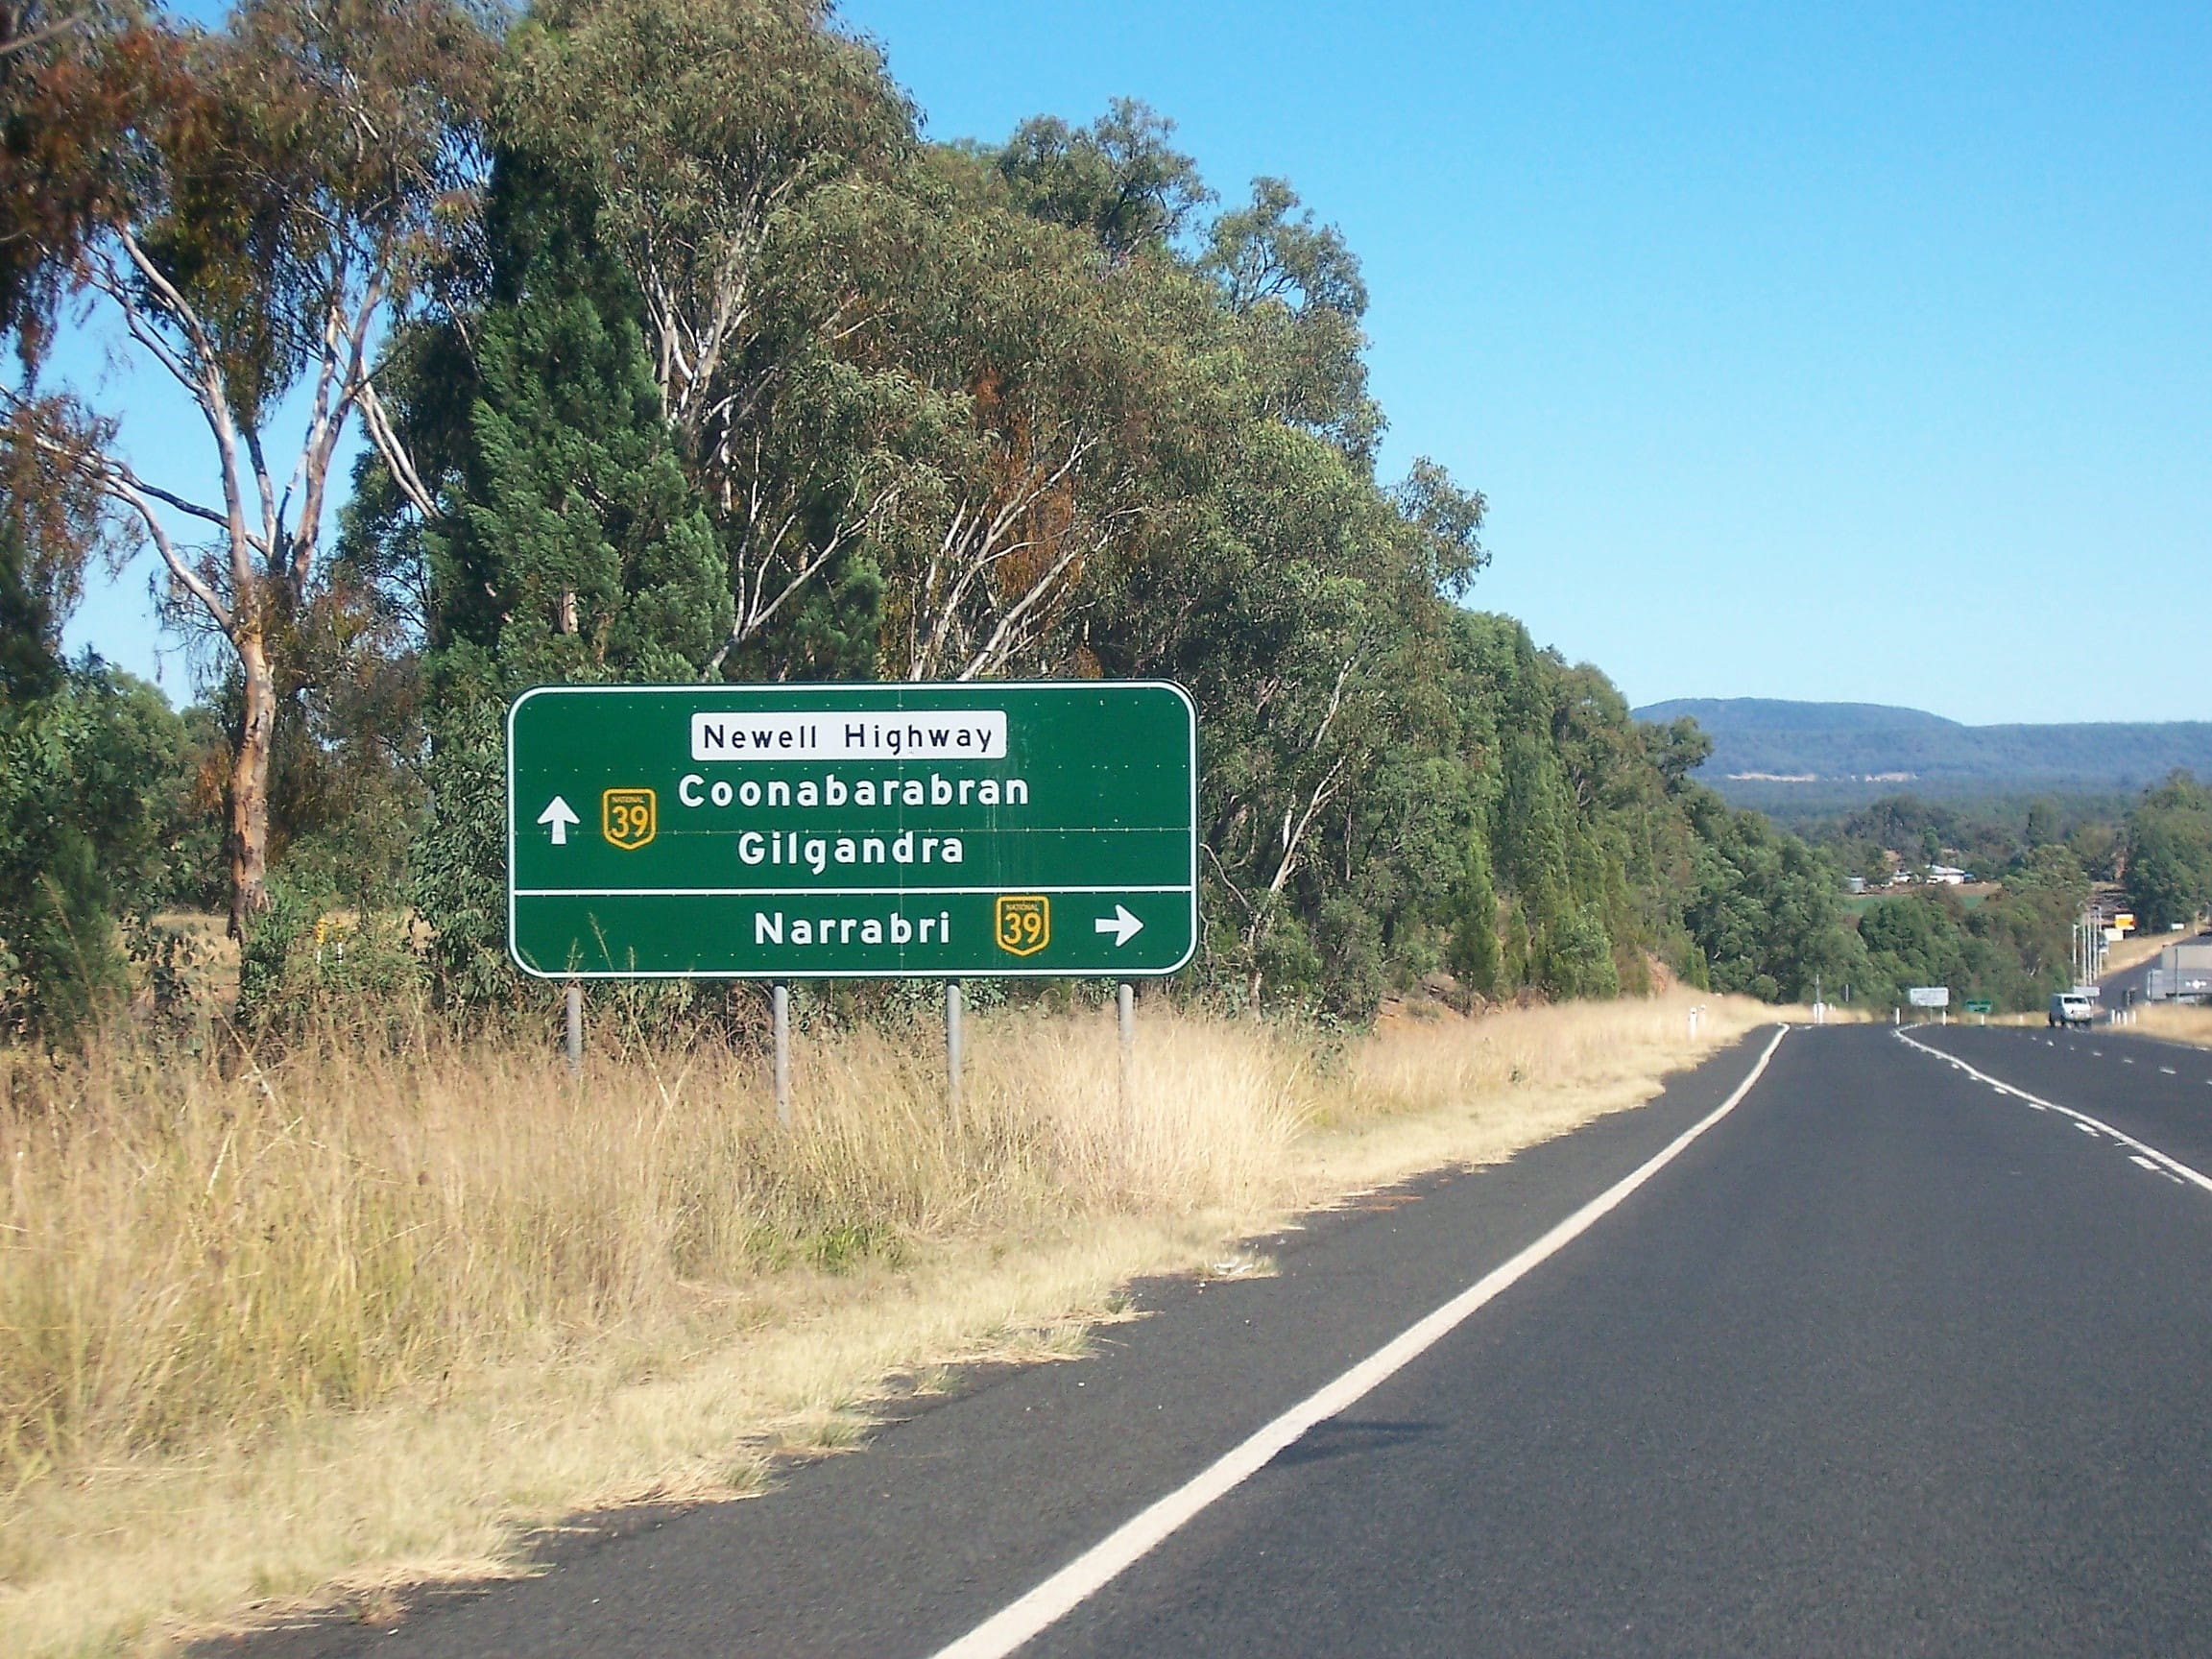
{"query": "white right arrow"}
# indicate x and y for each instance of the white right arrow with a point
(1122, 924)
(560, 815)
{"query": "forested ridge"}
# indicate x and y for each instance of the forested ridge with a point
(678, 354)
(1758, 743)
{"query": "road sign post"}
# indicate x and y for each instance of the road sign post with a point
(779, 1020)
(952, 1055)
(1936, 997)
(1125, 1009)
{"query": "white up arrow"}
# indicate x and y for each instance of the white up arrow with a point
(560, 815)
(1122, 924)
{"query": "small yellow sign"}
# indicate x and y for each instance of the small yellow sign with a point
(628, 817)
(1024, 924)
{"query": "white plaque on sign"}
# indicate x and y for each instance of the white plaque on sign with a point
(1930, 996)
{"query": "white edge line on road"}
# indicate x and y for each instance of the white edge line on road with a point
(2081, 1120)
(1103, 1562)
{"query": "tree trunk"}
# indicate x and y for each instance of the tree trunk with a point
(250, 789)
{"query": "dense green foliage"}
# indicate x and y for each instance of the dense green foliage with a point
(1990, 838)
(97, 821)
(718, 369)
(2048, 856)
(1765, 909)
(2013, 948)
(2169, 841)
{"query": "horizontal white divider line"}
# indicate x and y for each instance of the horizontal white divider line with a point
(1103, 1562)
(816, 892)
(2081, 1120)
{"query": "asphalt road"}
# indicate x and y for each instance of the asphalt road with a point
(2114, 988)
(1886, 1361)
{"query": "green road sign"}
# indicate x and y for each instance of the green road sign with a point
(797, 831)
(1981, 1007)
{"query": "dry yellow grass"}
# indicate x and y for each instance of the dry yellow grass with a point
(2176, 1023)
(309, 1331)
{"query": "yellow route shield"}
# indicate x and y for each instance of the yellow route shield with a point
(1024, 924)
(629, 817)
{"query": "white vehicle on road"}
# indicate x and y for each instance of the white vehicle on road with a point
(2072, 1008)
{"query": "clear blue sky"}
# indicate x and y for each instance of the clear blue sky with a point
(1823, 352)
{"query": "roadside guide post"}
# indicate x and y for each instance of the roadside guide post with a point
(1039, 830)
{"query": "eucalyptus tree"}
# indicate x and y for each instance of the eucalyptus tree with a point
(1119, 180)
(733, 148)
(1300, 600)
(72, 79)
(294, 186)
(1066, 407)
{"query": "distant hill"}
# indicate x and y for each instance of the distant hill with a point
(1766, 750)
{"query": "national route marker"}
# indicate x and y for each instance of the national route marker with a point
(852, 831)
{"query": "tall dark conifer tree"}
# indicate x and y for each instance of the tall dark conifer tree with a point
(573, 547)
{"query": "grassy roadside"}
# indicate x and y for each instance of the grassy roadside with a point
(2176, 1023)
(310, 1332)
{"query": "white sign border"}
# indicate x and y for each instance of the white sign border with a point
(973, 688)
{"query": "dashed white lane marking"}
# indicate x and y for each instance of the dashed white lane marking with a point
(2166, 1071)
(1111, 1556)
(2171, 1166)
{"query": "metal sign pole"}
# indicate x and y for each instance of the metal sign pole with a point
(952, 1050)
(779, 1002)
(1126, 1004)
(575, 1029)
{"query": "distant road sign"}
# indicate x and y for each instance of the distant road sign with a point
(1980, 1006)
(1929, 996)
(797, 831)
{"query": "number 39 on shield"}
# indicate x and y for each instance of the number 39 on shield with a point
(1024, 924)
(627, 817)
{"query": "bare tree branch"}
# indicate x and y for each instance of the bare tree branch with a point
(392, 451)
(16, 43)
